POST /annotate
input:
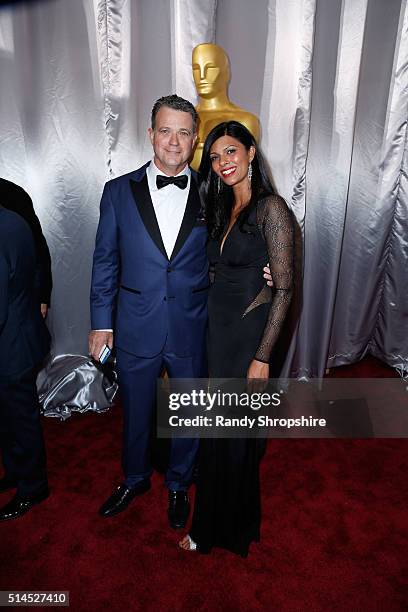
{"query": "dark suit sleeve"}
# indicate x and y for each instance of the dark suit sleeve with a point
(4, 282)
(20, 202)
(43, 253)
(44, 260)
(106, 265)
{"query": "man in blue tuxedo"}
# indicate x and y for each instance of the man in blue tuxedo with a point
(24, 342)
(149, 295)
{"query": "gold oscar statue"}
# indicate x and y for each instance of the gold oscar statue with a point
(211, 74)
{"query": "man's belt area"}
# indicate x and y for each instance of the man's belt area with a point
(178, 293)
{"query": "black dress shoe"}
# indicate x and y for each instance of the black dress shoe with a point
(6, 484)
(121, 498)
(179, 509)
(20, 505)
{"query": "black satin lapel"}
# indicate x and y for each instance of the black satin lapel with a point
(190, 216)
(143, 200)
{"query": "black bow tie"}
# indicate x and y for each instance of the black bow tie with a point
(180, 181)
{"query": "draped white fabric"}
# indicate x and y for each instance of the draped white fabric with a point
(329, 81)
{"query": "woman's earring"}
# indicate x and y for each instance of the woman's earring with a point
(218, 185)
(250, 173)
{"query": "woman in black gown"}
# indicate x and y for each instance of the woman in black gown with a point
(249, 226)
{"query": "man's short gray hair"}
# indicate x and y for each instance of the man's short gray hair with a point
(177, 103)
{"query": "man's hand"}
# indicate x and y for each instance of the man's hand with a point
(44, 310)
(267, 275)
(97, 340)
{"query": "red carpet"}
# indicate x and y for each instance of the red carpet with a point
(334, 531)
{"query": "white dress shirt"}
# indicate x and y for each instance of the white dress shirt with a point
(169, 204)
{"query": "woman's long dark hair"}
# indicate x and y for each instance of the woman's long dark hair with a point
(218, 202)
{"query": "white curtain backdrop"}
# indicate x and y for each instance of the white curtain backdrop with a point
(329, 81)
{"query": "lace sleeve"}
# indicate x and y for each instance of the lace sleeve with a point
(275, 222)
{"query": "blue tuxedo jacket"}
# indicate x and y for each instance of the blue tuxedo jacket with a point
(136, 289)
(24, 338)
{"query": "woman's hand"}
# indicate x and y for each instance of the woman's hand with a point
(268, 276)
(257, 371)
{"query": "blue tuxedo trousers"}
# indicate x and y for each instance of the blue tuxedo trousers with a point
(138, 383)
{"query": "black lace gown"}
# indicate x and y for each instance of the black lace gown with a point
(245, 319)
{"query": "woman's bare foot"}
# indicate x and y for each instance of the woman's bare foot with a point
(187, 543)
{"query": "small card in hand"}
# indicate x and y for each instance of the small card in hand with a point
(104, 354)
